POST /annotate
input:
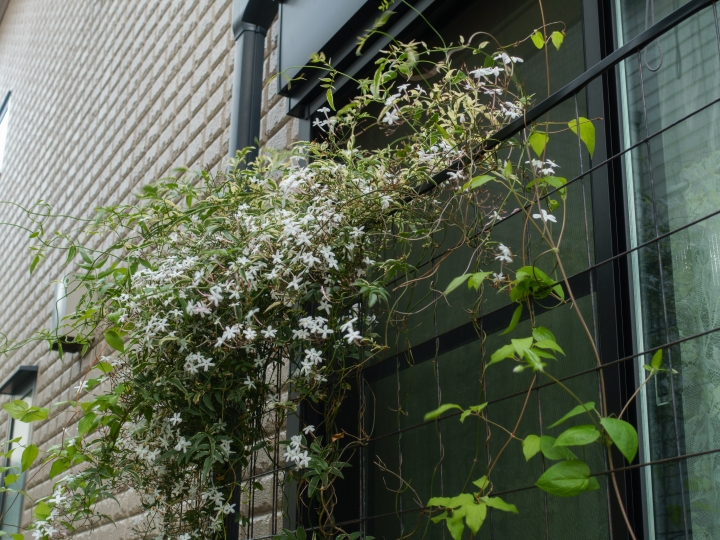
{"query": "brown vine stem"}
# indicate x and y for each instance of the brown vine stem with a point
(619, 497)
(512, 435)
(602, 390)
(632, 398)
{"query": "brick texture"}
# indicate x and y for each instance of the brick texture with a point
(107, 95)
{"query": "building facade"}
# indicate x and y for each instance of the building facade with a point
(102, 97)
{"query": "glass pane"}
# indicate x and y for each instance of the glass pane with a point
(668, 95)
(13, 502)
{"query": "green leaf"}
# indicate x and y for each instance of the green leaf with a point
(475, 516)
(34, 414)
(85, 255)
(42, 511)
(17, 536)
(330, 100)
(533, 359)
(114, 340)
(16, 408)
(34, 263)
(439, 501)
(455, 525)
(656, 361)
(455, 283)
(10, 479)
(482, 483)
(521, 345)
(623, 435)
(541, 334)
(499, 504)
(567, 479)
(514, 321)
(475, 409)
(537, 39)
(580, 409)
(59, 466)
(28, 457)
(506, 351)
(86, 423)
(530, 446)
(439, 517)
(478, 181)
(557, 39)
(538, 141)
(587, 132)
(432, 415)
(550, 345)
(578, 436)
(105, 367)
(550, 451)
(476, 280)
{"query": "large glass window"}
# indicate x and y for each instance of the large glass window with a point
(437, 354)
(12, 503)
(670, 95)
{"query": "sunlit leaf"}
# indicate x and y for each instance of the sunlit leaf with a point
(114, 340)
(475, 516)
(557, 39)
(530, 446)
(506, 351)
(432, 415)
(656, 361)
(538, 141)
(580, 409)
(587, 133)
(59, 466)
(578, 436)
(567, 479)
(550, 451)
(28, 457)
(623, 435)
(514, 321)
(538, 40)
(499, 504)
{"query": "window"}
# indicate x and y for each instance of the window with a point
(4, 121)
(671, 118)
(644, 259)
(21, 386)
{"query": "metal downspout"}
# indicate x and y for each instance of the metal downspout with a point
(251, 20)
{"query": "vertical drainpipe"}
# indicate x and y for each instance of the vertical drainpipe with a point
(251, 20)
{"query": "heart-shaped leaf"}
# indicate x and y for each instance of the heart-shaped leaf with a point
(567, 479)
(623, 435)
(578, 436)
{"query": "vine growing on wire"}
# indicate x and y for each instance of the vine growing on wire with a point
(222, 302)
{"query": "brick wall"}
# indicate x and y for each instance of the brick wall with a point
(107, 95)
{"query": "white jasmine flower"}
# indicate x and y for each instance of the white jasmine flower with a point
(545, 216)
(175, 419)
(269, 332)
(390, 117)
(183, 445)
(352, 336)
(308, 429)
(505, 255)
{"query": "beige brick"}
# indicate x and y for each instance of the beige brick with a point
(122, 92)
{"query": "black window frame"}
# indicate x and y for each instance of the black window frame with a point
(612, 275)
